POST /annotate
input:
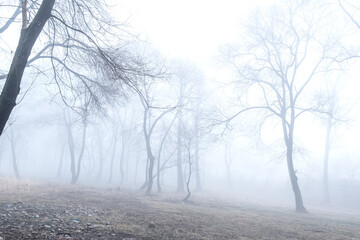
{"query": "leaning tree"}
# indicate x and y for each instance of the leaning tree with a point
(76, 44)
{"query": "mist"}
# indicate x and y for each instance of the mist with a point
(228, 109)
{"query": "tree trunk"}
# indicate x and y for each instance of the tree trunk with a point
(151, 160)
(137, 164)
(15, 167)
(101, 158)
(150, 157)
(83, 142)
(228, 176)
(189, 178)
(58, 175)
(72, 155)
(299, 205)
(1, 152)
(158, 175)
(180, 179)
(122, 173)
(27, 40)
(228, 160)
(326, 195)
(150, 175)
(197, 159)
(146, 170)
(126, 162)
(76, 165)
(160, 153)
(112, 159)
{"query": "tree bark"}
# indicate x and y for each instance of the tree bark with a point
(1, 152)
(81, 151)
(15, 167)
(137, 163)
(160, 152)
(158, 175)
(150, 175)
(76, 165)
(188, 183)
(186, 199)
(27, 40)
(112, 157)
(122, 158)
(146, 172)
(197, 158)
(72, 155)
(228, 161)
(101, 158)
(150, 156)
(289, 141)
(180, 177)
(24, 14)
(228, 176)
(61, 160)
(326, 195)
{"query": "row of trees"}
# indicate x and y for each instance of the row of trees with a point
(91, 65)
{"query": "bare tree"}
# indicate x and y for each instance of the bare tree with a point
(287, 50)
(187, 143)
(337, 110)
(75, 161)
(331, 101)
(179, 157)
(61, 158)
(13, 153)
(101, 156)
(345, 6)
(11, 19)
(147, 134)
(189, 79)
(160, 151)
(122, 128)
(197, 153)
(229, 158)
(79, 45)
(114, 146)
(122, 158)
(152, 114)
(198, 102)
(28, 37)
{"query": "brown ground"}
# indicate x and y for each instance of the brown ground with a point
(31, 210)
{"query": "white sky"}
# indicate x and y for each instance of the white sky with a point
(192, 29)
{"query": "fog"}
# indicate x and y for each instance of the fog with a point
(254, 102)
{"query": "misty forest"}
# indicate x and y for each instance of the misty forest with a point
(179, 119)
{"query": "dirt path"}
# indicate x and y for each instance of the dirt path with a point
(48, 211)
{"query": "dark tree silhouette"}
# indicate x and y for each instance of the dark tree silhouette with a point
(80, 48)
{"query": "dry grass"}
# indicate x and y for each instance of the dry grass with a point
(165, 217)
